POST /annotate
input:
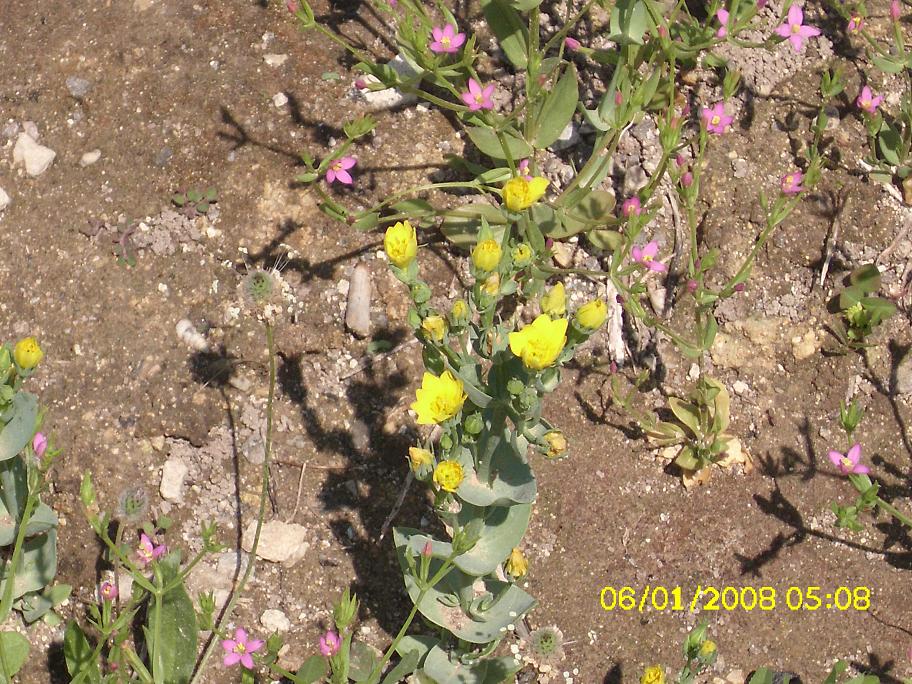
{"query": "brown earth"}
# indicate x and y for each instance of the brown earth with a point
(181, 97)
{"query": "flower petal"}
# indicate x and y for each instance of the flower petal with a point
(344, 177)
(854, 454)
(247, 661)
(795, 15)
(231, 659)
(835, 457)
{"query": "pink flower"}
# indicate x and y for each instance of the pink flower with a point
(238, 650)
(108, 591)
(791, 183)
(895, 10)
(39, 444)
(631, 205)
(572, 43)
(867, 101)
(446, 39)
(855, 23)
(761, 4)
(292, 6)
(715, 118)
(722, 16)
(330, 644)
(523, 169)
(848, 464)
(794, 29)
(687, 179)
(646, 256)
(148, 552)
(477, 97)
(338, 170)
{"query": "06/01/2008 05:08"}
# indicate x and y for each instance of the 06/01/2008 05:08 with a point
(729, 598)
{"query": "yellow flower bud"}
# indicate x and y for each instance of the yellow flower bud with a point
(420, 458)
(653, 675)
(448, 475)
(460, 312)
(517, 564)
(557, 443)
(519, 193)
(27, 354)
(554, 302)
(401, 243)
(491, 285)
(434, 328)
(592, 315)
(486, 255)
(522, 255)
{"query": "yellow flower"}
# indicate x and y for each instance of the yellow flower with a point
(434, 327)
(401, 244)
(707, 648)
(419, 458)
(486, 255)
(592, 315)
(539, 344)
(554, 302)
(438, 399)
(491, 285)
(27, 353)
(557, 443)
(460, 311)
(522, 255)
(519, 193)
(517, 564)
(653, 675)
(448, 475)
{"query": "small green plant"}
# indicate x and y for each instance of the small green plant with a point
(764, 675)
(28, 526)
(699, 653)
(860, 311)
(196, 202)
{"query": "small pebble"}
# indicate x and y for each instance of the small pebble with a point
(90, 158)
(280, 99)
(78, 87)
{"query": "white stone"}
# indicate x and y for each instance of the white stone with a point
(280, 99)
(389, 98)
(357, 311)
(740, 387)
(274, 60)
(34, 157)
(90, 158)
(568, 137)
(174, 472)
(275, 621)
(4, 199)
(280, 542)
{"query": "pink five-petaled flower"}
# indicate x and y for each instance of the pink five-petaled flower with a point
(330, 644)
(848, 464)
(446, 39)
(631, 206)
(147, 551)
(238, 650)
(39, 444)
(722, 16)
(107, 591)
(867, 101)
(572, 43)
(477, 97)
(338, 170)
(715, 118)
(646, 256)
(795, 30)
(523, 169)
(791, 183)
(855, 23)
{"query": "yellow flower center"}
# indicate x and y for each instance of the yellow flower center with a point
(866, 104)
(445, 41)
(846, 463)
(796, 28)
(240, 648)
(715, 120)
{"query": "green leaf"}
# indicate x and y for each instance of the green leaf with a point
(558, 109)
(403, 668)
(78, 654)
(891, 66)
(629, 21)
(194, 196)
(212, 195)
(510, 30)
(20, 419)
(171, 629)
(443, 668)
(608, 240)
(525, 5)
(314, 668)
(461, 225)
(488, 143)
(835, 673)
(415, 207)
(367, 222)
(15, 650)
(866, 277)
(513, 480)
(361, 661)
(687, 413)
(686, 459)
(422, 644)
(889, 142)
(504, 527)
(179, 200)
(37, 566)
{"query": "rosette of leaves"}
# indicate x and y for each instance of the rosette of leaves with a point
(697, 435)
(861, 312)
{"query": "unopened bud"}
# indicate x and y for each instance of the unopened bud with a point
(428, 549)
(691, 286)
(572, 43)
(739, 287)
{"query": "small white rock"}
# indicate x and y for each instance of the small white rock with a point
(275, 620)
(274, 60)
(280, 99)
(357, 312)
(568, 137)
(280, 542)
(90, 158)
(4, 199)
(740, 387)
(174, 472)
(189, 335)
(34, 157)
